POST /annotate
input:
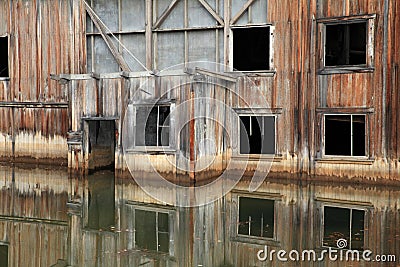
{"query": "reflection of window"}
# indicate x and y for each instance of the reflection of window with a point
(152, 125)
(257, 134)
(344, 223)
(346, 44)
(251, 48)
(3, 255)
(152, 230)
(256, 217)
(345, 135)
(4, 57)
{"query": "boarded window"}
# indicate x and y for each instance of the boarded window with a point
(345, 135)
(251, 48)
(3, 255)
(152, 125)
(4, 57)
(152, 230)
(346, 44)
(344, 223)
(256, 217)
(257, 135)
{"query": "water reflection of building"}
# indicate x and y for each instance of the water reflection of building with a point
(33, 216)
(126, 227)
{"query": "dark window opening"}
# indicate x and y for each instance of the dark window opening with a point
(251, 48)
(152, 126)
(152, 230)
(345, 135)
(344, 223)
(346, 44)
(256, 217)
(4, 57)
(101, 200)
(4, 255)
(257, 135)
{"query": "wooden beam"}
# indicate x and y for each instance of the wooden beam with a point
(149, 33)
(212, 12)
(6, 104)
(102, 29)
(165, 14)
(241, 11)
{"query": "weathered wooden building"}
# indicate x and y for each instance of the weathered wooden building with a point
(303, 90)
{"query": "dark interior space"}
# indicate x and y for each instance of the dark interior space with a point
(4, 57)
(101, 200)
(341, 223)
(251, 48)
(152, 230)
(256, 217)
(359, 135)
(152, 126)
(257, 135)
(345, 135)
(3, 255)
(346, 44)
(101, 144)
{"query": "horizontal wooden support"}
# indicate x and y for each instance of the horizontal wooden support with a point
(346, 110)
(117, 32)
(345, 160)
(34, 104)
(258, 111)
(219, 75)
(345, 70)
(68, 77)
(340, 202)
(342, 19)
(32, 220)
(188, 29)
(100, 118)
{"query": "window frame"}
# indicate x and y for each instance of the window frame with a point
(257, 115)
(6, 78)
(351, 207)
(235, 236)
(369, 19)
(6, 244)
(171, 143)
(271, 69)
(323, 148)
(157, 210)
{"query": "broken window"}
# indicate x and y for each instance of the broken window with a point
(344, 223)
(257, 134)
(345, 135)
(152, 230)
(256, 217)
(251, 48)
(346, 44)
(4, 57)
(152, 125)
(4, 255)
